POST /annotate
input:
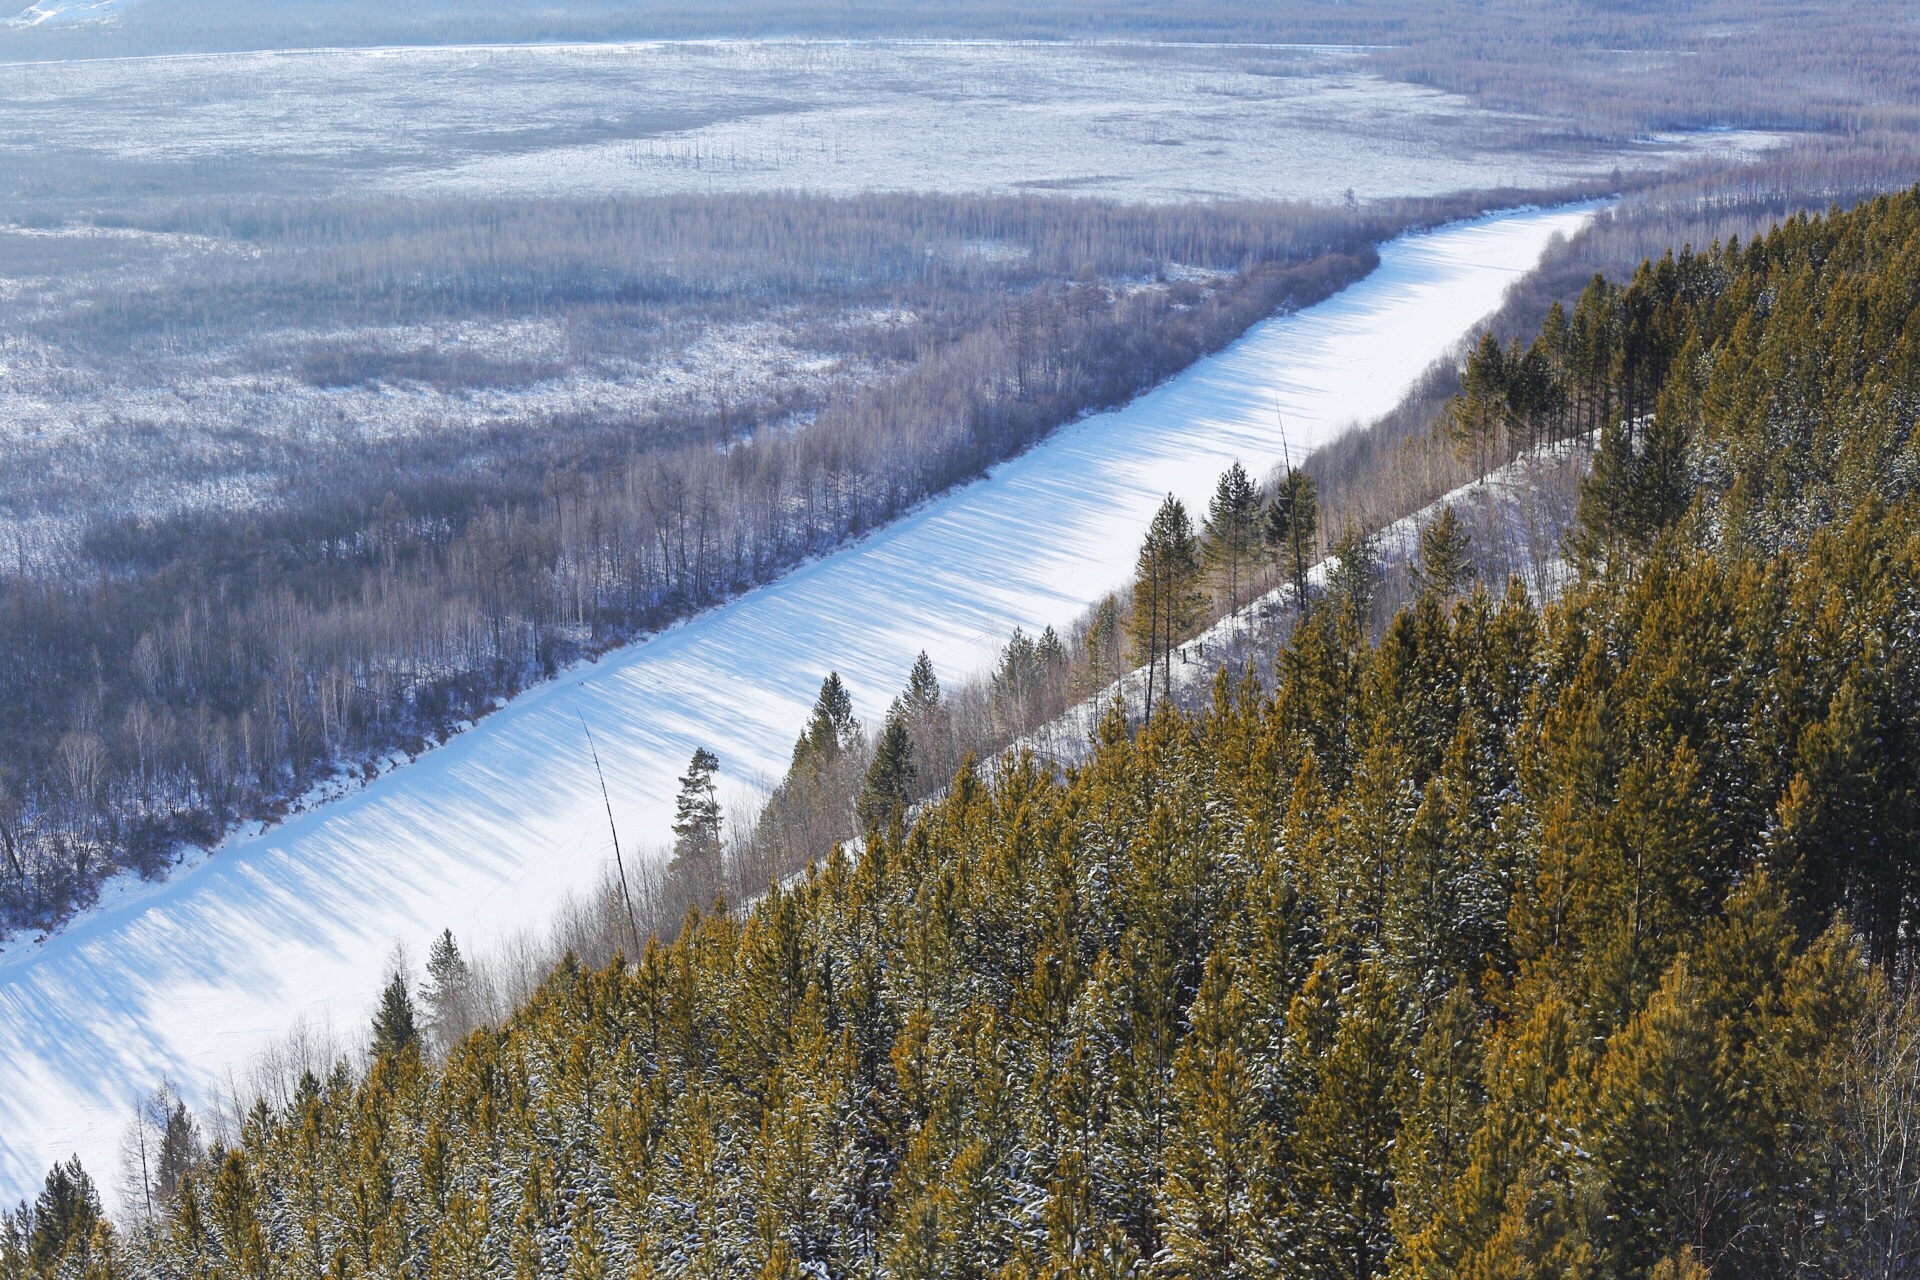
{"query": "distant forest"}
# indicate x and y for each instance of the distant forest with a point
(175, 673)
(1611, 67)
(1571, 938)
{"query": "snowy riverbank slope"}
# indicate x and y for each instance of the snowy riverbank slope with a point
(489, 832)
(1527, 505)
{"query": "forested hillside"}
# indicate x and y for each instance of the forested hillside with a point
(1565, 938)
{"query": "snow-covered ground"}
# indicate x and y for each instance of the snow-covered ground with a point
(1128, 121)
(486, 834)
(231, 425)
(69, 12)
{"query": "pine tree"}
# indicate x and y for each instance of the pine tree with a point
(1353, 578)
(1048, 651)
(1658, 1107)
(234, 1207)
(696, 811)
(929, 722)
(890, 778)
(696, 827)
(1293, 530)
(1592, 338)
(64, 1219)
(1104, 647)
(103, 1260)
(923, 689)
(1232, 533)
(1663, 480)
(1026, 678)
(459, 1246)
(812, 808)
(1166, 599)
(1446, 555)
(1220, 1198)
(393, 1023)
(1477, 418)
(1343, 1148)
(162, 1145)
(587, 1260)
(1016, 683)
(448, 984)
(831, 729)
(1442, 1108)
(1605, 528)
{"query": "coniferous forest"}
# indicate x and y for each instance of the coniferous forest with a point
(1525, 938)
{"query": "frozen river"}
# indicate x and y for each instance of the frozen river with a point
(486, 834)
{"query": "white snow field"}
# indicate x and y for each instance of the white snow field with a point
(485, 835)
(1122, 120)
(69, 12)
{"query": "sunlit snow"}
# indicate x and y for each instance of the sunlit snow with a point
(486, 834)
(1125, 121)
(69, 12)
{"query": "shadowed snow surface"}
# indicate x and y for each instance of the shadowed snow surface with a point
(486, 834)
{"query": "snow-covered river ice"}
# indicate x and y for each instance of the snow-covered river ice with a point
(189, 978)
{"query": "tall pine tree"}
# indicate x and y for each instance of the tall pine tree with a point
(1166, 596)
